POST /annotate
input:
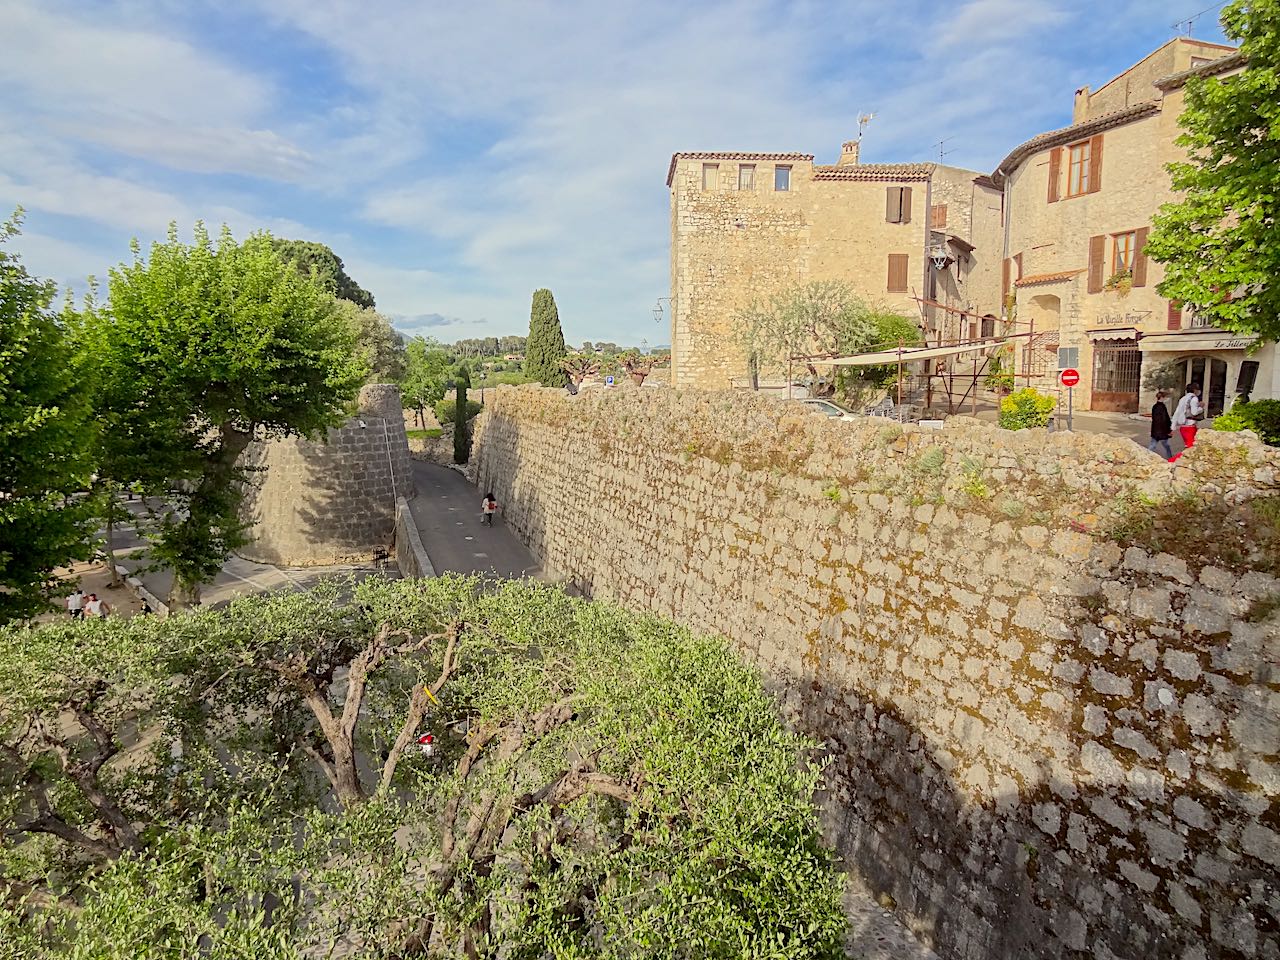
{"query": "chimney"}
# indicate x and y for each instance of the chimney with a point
(849, 153)
(1080, 108)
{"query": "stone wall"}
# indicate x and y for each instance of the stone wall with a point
(1043, 666)
(314, 504)
(411, 555)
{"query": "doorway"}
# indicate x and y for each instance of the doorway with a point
(1117, 365)
(1211, 374)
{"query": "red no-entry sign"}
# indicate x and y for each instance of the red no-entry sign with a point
(1069, 377)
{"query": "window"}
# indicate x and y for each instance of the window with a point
(897, 205)
(1122, 257)
(1068, 358)
(1078, 168)
(746, 176)
(938, 216)
(782, 178)
(1247, 378)
(710, 171)
(898, 263)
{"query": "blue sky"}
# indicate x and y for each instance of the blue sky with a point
(457, 155)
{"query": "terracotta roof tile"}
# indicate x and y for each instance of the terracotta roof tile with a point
(1065, 135)
(723, 155)
(1047, 277)
(886, 172)
(1210, 69)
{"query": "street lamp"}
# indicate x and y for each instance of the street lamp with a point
(657, 309)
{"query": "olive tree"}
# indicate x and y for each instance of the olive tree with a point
(584, 774)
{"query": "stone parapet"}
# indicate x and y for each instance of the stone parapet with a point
(1041, 667)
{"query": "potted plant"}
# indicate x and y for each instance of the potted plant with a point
(1120, 283)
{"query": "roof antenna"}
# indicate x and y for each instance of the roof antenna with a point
(942, 153)
(1190, 22)
(862, 123)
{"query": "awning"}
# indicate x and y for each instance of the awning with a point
(1197, 340)
(1113, 333)
(906, 355)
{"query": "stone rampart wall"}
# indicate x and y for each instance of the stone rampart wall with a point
(314, 504)
(411, 555)
(1043, 666)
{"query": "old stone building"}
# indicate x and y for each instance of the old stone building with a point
(1080, 202)
(1049, 246)
(747, 225)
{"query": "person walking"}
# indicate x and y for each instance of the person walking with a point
(96, 608)
(1188, 414)
(1161, 425)
(75, 604)
(488, 507)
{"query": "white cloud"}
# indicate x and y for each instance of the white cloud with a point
(984, 23)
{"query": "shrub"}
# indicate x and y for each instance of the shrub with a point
(447, 410)
(1026, 408)
(1260, 416)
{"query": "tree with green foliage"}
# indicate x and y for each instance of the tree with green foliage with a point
(813, 320)
(461, 426)
(426, 376)
(545, 349)
(46, 438)
(220, 345)
(377, 342)
(254, 780)
(315, 258)
(1219, 243)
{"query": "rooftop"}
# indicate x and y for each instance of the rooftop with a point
(722, 155)
(1212, 68)
(1077, 131)
(883, 172)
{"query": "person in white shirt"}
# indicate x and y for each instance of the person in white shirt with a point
(1188, 414)
(75, 604)
(96, 608)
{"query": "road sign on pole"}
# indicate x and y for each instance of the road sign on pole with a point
(1069, 378)
(608, 381)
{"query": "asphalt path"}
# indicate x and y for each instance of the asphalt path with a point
(447, 513)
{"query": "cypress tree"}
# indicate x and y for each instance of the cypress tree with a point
(545, 349)
(461, 433)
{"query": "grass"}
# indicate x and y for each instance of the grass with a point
(431, 433)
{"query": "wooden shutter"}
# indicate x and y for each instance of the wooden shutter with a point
(938, 216)
(1017, 262)
(1140, 258)
(1004, 277)
(1055, 173)
(1095, 163)
(1097, 262)
(1175, 315)
(893, 204)
(898, 272)
(906, 205)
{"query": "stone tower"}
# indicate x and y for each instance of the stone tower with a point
(312, 504)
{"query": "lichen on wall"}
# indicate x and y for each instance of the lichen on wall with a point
(1043, 666)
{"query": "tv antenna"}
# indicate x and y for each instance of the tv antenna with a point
(862, 123)
(1190, 22)
(941, 152)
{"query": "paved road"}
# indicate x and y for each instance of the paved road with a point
(447, 512)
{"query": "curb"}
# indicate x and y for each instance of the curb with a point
(158, 606)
